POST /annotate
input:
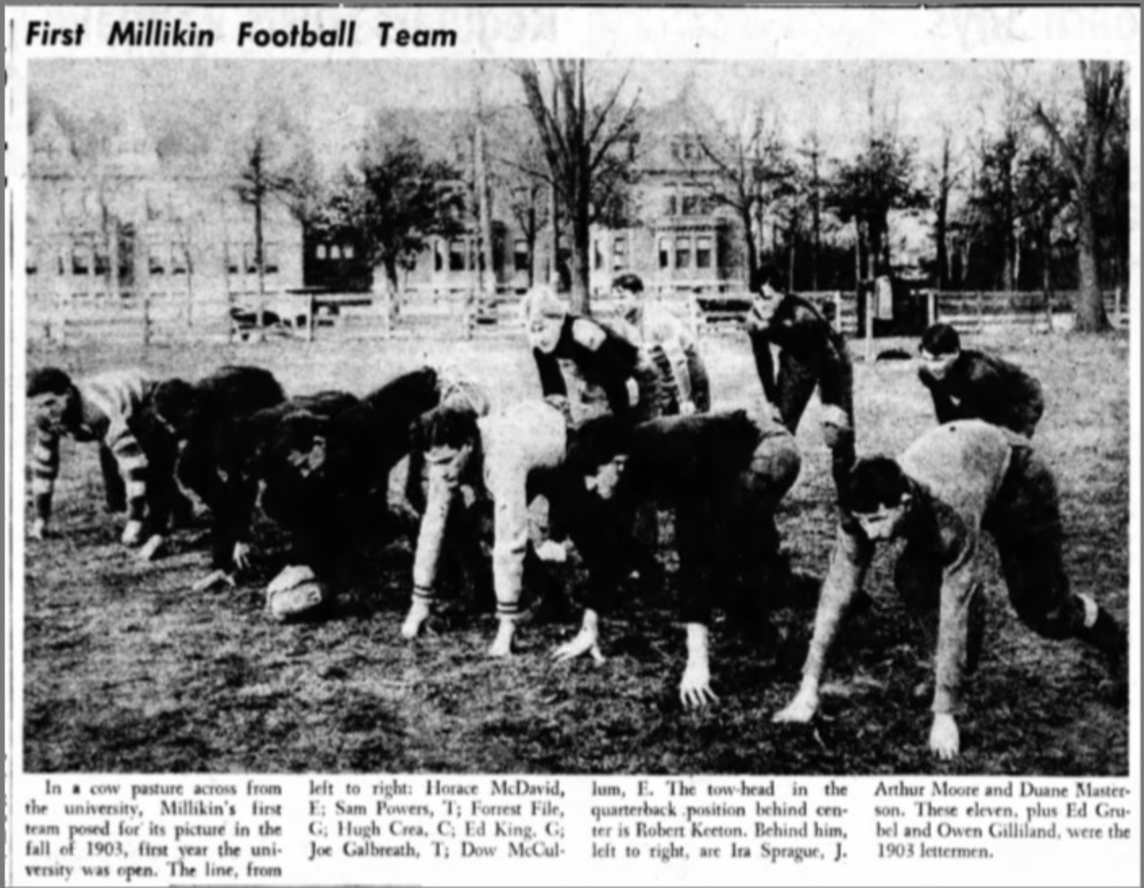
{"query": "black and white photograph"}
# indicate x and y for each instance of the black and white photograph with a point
(571, 415)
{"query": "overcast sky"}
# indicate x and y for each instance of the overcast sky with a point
(335, 98)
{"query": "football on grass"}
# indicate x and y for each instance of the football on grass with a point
(295, 594)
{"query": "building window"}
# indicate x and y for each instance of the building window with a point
(683, 252)
(520, 255)
(269, 259)
(438, 255)
(320, 252)
(665, 252)
(102, 265)
(620, 253)
(456, 255)
(597, 256)
(180, 262)
(670, 206)
(703, 251)
(81, 259)
(693, 205)
(156, 264)
(348, 251)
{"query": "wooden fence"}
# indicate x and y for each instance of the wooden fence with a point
(461, 313)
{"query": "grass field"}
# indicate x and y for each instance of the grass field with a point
(128, 670)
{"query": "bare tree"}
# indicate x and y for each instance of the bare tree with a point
(583, 141)
(1084, 157)
(748, 171)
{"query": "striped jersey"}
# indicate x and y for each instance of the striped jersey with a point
(109, 404)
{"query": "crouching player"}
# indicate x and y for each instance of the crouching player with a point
(968, 384)
(201, 417)
(666, 340)
(136, 452)
(812, 353)
(723, 475)
(953, 483)
(509, 457)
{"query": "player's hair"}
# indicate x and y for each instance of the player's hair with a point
(446, 426)
(874, 482)
(767, 273)
(175, 402)
(541, 300)
(595, 442)
(940, 339)
(49, 381)
(629, 281)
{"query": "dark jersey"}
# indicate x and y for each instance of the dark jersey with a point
(812, 352)
(601, 358)
(981, 386)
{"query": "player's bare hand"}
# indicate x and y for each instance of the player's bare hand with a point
(800, 710)
(585, 642)
(151, 549)
(418, 614)
(132, 533)
(502, 644)
(944, 739)
(213, 579)
(695, 688)
(241, 556)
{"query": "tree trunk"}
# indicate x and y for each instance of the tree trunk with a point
(1089, 305)
(581, 250)
(752, 250)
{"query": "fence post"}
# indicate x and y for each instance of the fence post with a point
(695, 317)
(931, 307)
(146, 315)
(980, 311)
(311, 307)
(1119, 315)
(870, 325)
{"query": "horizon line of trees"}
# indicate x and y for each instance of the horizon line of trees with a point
(1039, 203)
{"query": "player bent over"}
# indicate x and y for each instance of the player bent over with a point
(136, 452)
(723, 475)
(510, 457)
(665, 339)
(968, 384)
(955, 482)
(812, 353)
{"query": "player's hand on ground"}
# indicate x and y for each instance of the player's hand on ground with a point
(241, 556)
(418, 614)
(132, 533)
(502, 644)
(695, 688)
(944, 740)
(38, 530)
(152, 548)
(800, 711)
(552, 552)
(213, 579)
(587, 641)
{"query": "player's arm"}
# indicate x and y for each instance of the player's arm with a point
(551, 377)
(848, 565)
(45, 470)
(764, 364)
(958, 584)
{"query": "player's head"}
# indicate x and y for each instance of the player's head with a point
(878, 496)
(544, 313)
(177, 405)
(939, 349)
(53, 398)
(628, 289)
(767, 294)
(598, 452)
(447, 436)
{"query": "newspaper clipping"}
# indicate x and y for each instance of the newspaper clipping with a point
(563, 446)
